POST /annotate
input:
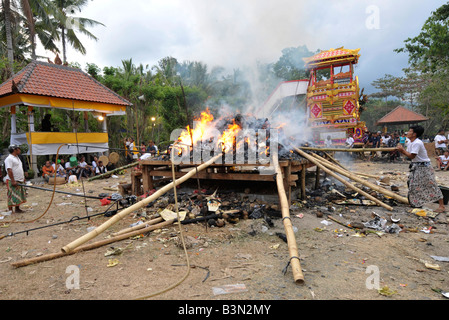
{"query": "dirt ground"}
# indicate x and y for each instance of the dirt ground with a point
(338, 263)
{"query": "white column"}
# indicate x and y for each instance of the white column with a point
(104, 124)
(31, 130)
(13, 120)
(105, 130)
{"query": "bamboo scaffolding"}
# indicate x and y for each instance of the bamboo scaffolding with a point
(100, 229)
(332, 159)
(349, 150)
(285, 208)
(346, 183)
(91, 246)
(354, 177)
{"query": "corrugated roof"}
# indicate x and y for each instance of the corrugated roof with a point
(402, 115)
(53, 80)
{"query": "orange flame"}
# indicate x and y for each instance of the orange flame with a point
(205, 121)
(198, 131)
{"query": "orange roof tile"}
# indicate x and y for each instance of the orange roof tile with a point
(46, 79)
(402, 115)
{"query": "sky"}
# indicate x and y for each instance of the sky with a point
(239, 33)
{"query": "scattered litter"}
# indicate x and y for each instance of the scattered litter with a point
(114, 251)
(213, 205)
(427, 230)
(326, 223)
(441, 259)
(136, 224)
(377, 223)
(432, 266)
(445, 294)
(356, 202)
(112, 263)
(424, 213)
(170, 215)
(386, 291)
(6, 260)
(230, 288)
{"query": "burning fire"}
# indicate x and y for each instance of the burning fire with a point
(202, 126)
(198, 131)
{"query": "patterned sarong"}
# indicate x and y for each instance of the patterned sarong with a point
(16, 195)
(422, 185)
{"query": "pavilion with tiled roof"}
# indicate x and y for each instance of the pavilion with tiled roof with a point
(401, 116)
(54, 86)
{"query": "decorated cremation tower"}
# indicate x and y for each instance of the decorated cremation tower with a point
(333, 96)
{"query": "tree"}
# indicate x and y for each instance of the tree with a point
(69, 25)
(6, 4)
(430, 49)
(290, 65)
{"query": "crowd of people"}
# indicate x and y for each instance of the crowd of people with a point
(133, 151)
(66, 168)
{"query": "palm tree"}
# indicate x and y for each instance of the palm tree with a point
(6, 4)
(69, 25)
(35, 16)
(35, 10)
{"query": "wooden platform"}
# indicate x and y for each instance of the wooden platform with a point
(143, 181)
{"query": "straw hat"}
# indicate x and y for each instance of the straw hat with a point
(104, 159)
(114, 157)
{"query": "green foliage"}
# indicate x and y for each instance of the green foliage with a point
(290, 65)
(430, 49)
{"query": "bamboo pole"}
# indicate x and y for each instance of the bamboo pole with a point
(113, 171)
(139, 226)
(92, 246)
(332, 159)
(100, 229)
(354, 177)
(285, 208)
(349, 150)
(346, 183)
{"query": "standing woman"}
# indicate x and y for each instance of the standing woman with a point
(422, 185)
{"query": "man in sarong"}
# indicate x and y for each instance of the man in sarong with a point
(422, 185)
(15, 175)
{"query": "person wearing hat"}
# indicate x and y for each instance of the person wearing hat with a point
(16, 194)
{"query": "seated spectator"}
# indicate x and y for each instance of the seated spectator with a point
(48, 171)
(443, 160)
(94, 165)
(69, 169)
(101, 169)
(440, 142)
(84, 170)
(60, 171)
(152, 149)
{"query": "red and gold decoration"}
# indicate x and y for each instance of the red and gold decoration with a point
(333, 92)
